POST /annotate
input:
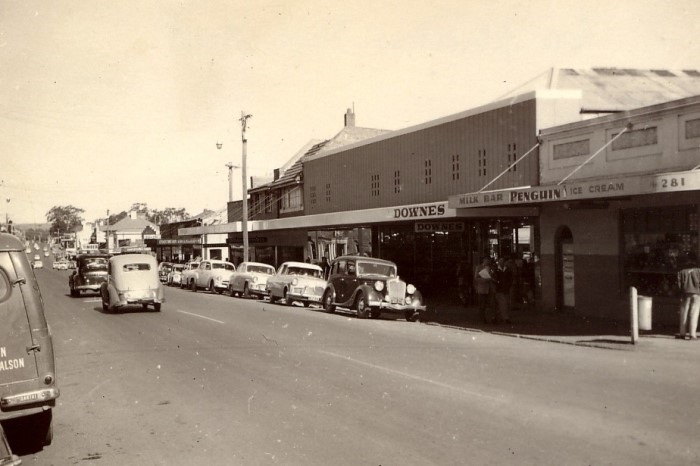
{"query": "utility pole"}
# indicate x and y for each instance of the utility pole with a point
(244, 204)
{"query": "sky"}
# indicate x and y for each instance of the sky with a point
(105, 103)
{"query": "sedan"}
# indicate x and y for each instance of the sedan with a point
(297, 281)
(61, 264)
(250, 279)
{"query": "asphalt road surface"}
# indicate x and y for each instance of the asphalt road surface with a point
(217, 380)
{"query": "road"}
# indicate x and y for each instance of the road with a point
(217, 380)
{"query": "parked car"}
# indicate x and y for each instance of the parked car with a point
(211, 274)
(250, 279)
(297, 281)
(71, 265)
(60, 264)
(370, 287)
(175, 275)
(189, 269)
(90, 273)
(164, 269)
(37, 257)
(132, 281)
(37, 265)
(28, 389)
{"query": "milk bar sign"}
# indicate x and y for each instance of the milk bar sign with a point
(624, 186)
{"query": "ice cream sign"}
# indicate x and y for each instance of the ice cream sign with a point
(624, 186)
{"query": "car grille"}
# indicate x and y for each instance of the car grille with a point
(396, 290)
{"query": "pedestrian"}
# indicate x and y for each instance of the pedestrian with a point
(483, 284)
(689, 284)
(463, 287)
(325, 266)
(503, 279)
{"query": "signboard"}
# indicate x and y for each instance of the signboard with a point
(178, 241)
(430, 227)
(567, 266)
(599, 188)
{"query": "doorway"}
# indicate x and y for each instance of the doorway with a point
(565, 270)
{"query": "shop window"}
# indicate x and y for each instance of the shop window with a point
(692, 129)
(571, 149)
(328, 192)
(455, 167)
(512, 157)
(312, 195)
(657, 243)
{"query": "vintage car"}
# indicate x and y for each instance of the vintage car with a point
(60, 264)
(297, 281)
(175, 275)
(188, 272)
(370, 287)
(250, 279)
(37, 265)
(28, 389)
(90, 273)
(164, 269)
(133, 280)
(212, 274)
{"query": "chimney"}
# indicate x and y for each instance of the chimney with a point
(276, 174)
(349, 119)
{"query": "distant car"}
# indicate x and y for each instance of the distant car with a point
(46, 254)
(175, 275)
(250, 279)
(60, 264)
(133, 280)
(164, 269)
(297, 281)
(38, 264)
(187, 272)
(37, 257)
(370, 287)
(71, 265)
(90, 273)
(212, 274)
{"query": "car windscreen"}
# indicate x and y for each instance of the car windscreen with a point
(304, 271)
(217, 265)
(373, 268)
(136, 267)
(261, 269)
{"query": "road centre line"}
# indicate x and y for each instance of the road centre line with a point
(414, 377)
(92, 300)
(203, 317)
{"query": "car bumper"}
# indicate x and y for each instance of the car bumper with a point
(42, 396)
(304, 298)
(138, 301)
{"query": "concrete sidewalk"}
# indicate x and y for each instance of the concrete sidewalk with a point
(560, 327)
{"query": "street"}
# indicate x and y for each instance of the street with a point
(218, 380)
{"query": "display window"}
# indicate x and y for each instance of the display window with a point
(657, 243)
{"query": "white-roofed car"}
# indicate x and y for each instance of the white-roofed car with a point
(175, 275)
(133, 280)
(297, 281)
(250, 279)
(211, 274)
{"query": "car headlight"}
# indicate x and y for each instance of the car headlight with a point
(255, 279)
(295, 281)
(410, 289)
(379, 286)
(408, 300)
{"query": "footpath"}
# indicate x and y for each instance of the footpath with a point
(563, 328)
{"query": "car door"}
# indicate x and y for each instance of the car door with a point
(204, 274)
(340, 280)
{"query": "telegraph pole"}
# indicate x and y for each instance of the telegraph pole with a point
(244, 204)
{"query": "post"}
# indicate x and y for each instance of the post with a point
(244, 203)
(633, 315)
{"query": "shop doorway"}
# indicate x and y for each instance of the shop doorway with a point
(565, 270)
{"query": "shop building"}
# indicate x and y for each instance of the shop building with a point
(618, 207)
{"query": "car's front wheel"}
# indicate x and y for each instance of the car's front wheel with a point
(231, 293)
(156, 307)
(246, 291)
(363, 309)
(328, 302)
(193, 286)
(212, 289)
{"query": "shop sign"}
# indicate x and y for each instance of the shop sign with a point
(432, 227)
(418, 211)
(623, 186)
(251, 240)
(179, 241)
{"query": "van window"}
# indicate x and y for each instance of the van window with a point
(135, 267)
(4, 286)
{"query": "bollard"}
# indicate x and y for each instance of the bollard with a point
(633, 315)
(644, 312)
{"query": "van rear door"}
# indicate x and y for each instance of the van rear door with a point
(17, 350)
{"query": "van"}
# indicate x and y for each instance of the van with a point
(28, 389)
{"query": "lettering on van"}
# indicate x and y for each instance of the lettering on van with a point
(9, 364)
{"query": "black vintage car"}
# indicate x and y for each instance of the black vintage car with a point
(89, 274)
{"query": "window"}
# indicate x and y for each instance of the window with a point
(312, 195)
(512, 157)
(636, 138)
(692, 129)
(328, 192)
(291, 199)
(571, 149)
(136, 267)
(375, 185)
(428, 173)
(455, 167)
(397, 181)
(4, 287)
(482, 162)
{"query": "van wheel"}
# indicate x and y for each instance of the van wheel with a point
(193, 286)
(328, 302)
(361, 306)
(284, 297)
(156, 307)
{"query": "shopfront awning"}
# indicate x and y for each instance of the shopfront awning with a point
(591, 189)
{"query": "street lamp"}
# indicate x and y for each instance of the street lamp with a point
(244, 184)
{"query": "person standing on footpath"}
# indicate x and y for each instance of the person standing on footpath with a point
(483, 284)
(689, 284)
(503, 278)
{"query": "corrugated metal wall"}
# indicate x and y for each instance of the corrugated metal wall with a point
(424, 163)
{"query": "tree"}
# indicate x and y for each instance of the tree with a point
(64, 219)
